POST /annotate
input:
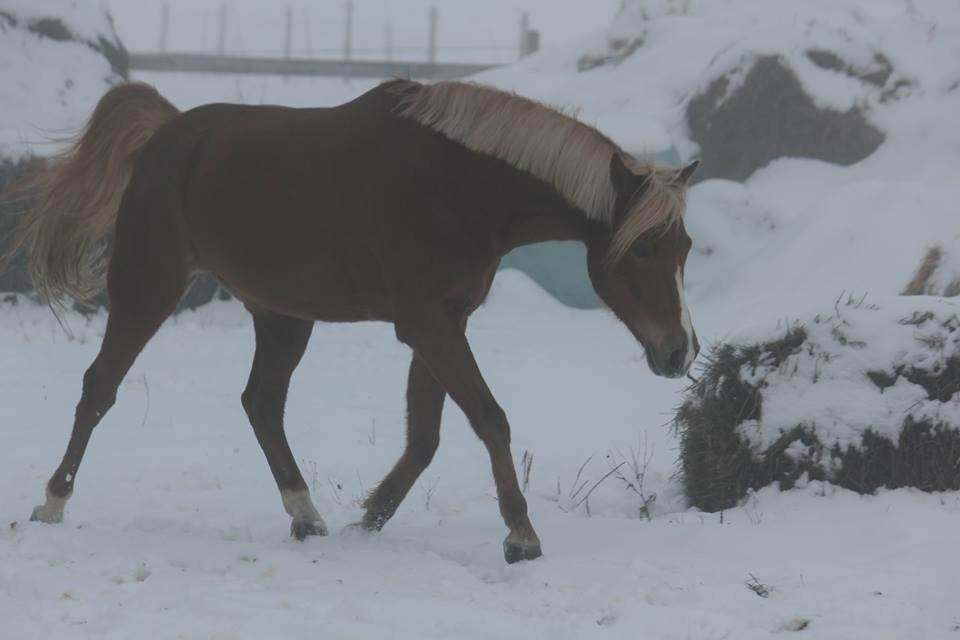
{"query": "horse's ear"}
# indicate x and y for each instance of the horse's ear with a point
(684, 175)
(624, 181)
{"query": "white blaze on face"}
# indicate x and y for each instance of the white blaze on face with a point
(685, 323)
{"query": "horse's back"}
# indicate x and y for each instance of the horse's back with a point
(270, 198)
(330, 214)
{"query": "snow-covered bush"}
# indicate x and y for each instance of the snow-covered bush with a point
(863, 395)
(57, 57)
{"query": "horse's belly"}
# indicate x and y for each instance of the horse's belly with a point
(294, 268)
(303, 297)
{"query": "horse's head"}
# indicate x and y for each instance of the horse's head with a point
(637, 265)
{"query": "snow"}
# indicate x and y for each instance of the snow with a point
(188, 90)
(824, 385)
(47, 87)
(177, 530)
(82, 21)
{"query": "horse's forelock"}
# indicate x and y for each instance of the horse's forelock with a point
(661, 205)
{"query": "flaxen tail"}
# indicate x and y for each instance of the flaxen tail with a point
(77, 194)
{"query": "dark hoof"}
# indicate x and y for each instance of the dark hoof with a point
(300, 529)
(517, 551)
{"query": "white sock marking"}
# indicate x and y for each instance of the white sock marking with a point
(685, 322)
(299, 505)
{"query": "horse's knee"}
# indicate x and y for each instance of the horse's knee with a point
(513, 506)
(263, 408)
(492, 426)
(98, 394)
(420, 451)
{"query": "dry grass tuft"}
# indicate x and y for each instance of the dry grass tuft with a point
(923, 282)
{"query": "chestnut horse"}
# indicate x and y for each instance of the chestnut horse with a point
(397, 206)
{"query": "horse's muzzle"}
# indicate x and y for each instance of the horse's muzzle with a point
(673, 359)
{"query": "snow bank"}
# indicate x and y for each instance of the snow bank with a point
(798, 231)
(864, 395)
(56, 59)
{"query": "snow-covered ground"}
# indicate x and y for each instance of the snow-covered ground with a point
(176, 529)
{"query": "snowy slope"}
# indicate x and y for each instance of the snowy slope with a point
(799, 227)
(176, 529)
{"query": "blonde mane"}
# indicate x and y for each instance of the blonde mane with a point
(569, 155)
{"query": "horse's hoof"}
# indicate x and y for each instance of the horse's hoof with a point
(50, 514)
(300, 529)
(517, 551)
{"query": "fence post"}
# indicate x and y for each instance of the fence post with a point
(533, 41)
(288, 32)
(222, 38)
(164, 25)
(529, 38)
(432, 42)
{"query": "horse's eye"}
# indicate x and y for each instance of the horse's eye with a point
(641, 250)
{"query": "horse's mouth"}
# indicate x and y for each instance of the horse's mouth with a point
(661, 371)
(651, 363)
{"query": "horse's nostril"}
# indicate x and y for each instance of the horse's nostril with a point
(676, 358)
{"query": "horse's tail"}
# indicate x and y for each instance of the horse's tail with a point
(77, 194)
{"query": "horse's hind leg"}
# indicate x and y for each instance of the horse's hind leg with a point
(145, 285)
(281, 341)
(424, 409)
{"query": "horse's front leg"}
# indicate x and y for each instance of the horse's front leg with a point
(439, 340)
(424, 409)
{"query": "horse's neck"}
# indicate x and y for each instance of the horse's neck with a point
(531, 212)
(515, 206)
(532, 227)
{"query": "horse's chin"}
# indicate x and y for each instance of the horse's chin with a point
(652, 364)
